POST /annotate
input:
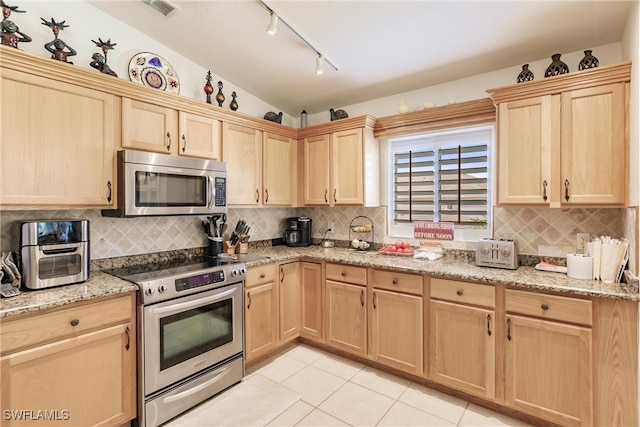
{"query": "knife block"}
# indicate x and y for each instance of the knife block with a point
(242, 248)
(229, 248)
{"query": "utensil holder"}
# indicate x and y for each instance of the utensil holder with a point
(215, 246)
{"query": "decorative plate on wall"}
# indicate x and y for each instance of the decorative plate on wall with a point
(154, 71)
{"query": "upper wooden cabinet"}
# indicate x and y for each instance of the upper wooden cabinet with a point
(341, 163)
(260, 166)
(562, 141)
(57, 143)
(152, 127)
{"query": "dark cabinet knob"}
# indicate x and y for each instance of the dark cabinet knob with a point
(75, 322)
(545, 307)
(459, 292)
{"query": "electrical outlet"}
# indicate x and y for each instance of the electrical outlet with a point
(581, 241)
(330, 228)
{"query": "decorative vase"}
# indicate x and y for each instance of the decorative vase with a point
(526, 75)
(208, 89)
(303, 119)
(220, 96)
(589, 61)
(556, 67)
(233, 104)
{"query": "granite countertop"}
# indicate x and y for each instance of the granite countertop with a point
(101, 284)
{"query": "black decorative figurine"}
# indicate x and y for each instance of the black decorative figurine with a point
(11, 34)
(99, 60)
(556, 67)
(208, 89)
(233, 104)
(273, 117)
(526, 75)
(220, 96)
(57, 46)
(589, 61)
(338, 114)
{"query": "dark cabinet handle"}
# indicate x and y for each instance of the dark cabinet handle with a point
(281, 274)
(343, 274)
(249, 298)
(75, 322)
(128, 332)
(566, 190)
(266, 195)
(509, 329)
(362, 297)
(326, 195)
(335, 197)
(459, 292)
(394, 281)
(257, 195)
(489, 324)
(545, 307)
(110, 191)
(374, 300)
(168, 141)
(262, 276)
(184, 143)
(544, 190)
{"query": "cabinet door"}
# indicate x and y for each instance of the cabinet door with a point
(347, 317)
(261, 320)
(525, 137)
(396, 330)
(278, 169)
(84, 380)
(347, 160)
(149, 127)
(242, 150)
(311, 300)
(316, 170)
(289, 301)
(549, 370)
(199, 136)
(57, 144)
(462, 348)
(593, 146)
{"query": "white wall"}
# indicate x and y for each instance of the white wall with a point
(87, 23)
(631, 52)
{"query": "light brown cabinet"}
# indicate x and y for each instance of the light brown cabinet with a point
(311, 301)
(396, 320)
(346, 308)
(66, 361)
(462, 336)
(341, 164)
(289, 309)
(162, 129)
(261, 167)
(261, 311)
(562, 141)
(57, 143)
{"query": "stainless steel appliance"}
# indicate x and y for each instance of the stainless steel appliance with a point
(191, 343)
(298, 231)
(500, 253)
(54, 252)
(162, 184)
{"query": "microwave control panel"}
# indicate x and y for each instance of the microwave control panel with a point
(220, 191)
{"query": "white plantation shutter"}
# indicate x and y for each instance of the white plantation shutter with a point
(442, 177)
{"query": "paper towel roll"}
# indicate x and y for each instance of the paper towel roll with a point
(579, 266)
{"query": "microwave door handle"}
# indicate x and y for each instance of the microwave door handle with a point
(191, 304)
(59, 249)
(212, 193)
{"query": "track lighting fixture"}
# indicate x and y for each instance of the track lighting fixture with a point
(272, 28)
(319, 66)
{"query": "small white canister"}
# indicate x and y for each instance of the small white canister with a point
(580, 266)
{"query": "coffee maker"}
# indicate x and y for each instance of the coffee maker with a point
(298, 231)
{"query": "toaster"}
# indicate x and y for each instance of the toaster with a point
(499, 253)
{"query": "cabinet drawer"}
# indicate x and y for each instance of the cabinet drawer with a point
(548, 306)
(53, 325)
(259, 275)
(464, 292)
(394, 281)
(346, 273)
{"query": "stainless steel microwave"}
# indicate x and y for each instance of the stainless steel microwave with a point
(152, 184)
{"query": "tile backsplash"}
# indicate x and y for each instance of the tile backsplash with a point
(114, 237)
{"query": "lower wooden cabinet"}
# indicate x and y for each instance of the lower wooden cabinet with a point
(347, 317)
(311, 300)
(289, 309)
(261, 312)
(71, 379)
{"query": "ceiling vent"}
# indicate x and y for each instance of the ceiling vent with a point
(163, 6)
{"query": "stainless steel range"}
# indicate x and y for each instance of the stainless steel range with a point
(190, 334)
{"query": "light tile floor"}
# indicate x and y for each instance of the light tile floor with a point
(304, 386)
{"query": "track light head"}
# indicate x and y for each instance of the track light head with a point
(272, 28)
(319, 64)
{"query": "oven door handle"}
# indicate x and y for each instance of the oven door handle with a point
(198, 388)
(192, 304)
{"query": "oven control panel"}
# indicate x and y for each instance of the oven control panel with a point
(500, 253)
(199, 280)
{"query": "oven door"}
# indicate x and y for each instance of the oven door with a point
(183, 336)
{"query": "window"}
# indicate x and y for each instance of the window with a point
(442, 176)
